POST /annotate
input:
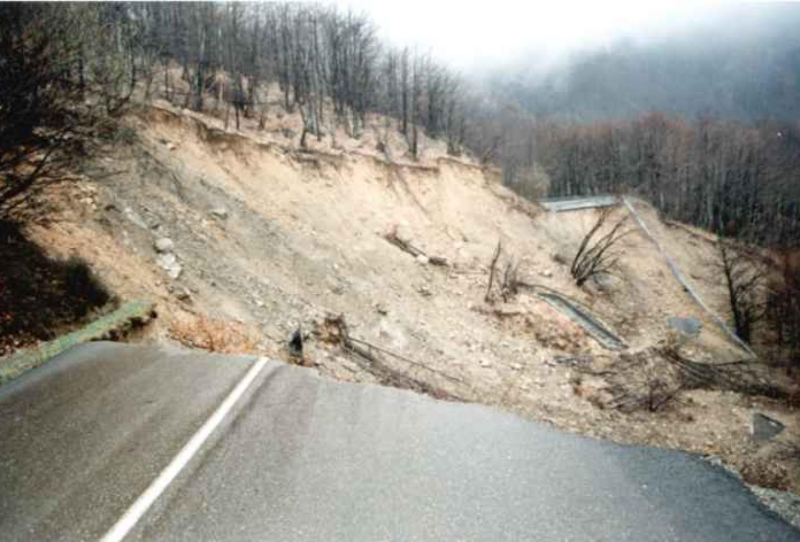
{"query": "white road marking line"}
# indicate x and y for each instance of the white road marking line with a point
(128, 520)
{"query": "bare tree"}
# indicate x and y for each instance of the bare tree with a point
(38, 94)
(596, 254)
(745, 280)
(783, 308)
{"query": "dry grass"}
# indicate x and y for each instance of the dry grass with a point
(220, 336)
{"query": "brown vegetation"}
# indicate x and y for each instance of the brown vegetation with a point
(214, 335)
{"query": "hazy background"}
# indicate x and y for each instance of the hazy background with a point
(477, 35)
(587, 61)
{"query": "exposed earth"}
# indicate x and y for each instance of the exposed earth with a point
(241, 238)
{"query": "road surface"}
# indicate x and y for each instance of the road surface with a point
(300, 457)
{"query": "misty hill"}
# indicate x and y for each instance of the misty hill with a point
(745, 65)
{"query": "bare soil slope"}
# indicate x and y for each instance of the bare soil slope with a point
(267, 238)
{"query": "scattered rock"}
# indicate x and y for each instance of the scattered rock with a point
(164, 244)
(422, 259)
(784, 503)
(219, 212)
(573, 360)
(765, 428)
(169, 263)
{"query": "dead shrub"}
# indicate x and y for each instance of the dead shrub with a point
(220, 336)
(509, 283)
(642, 381)
(598, 256)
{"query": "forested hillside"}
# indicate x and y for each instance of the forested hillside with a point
(66, 68)
(711, 159)
(703, 123)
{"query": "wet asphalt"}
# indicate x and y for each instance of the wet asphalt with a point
(306, 458)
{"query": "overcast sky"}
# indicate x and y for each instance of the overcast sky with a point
(479, 34)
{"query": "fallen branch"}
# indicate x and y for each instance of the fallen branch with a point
(726, 376)
(338, 332)
(407, 247)
(407, 360)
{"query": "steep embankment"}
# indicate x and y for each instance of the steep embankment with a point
(265, 238)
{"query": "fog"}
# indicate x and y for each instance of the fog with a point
(478, 38)
(472, 36)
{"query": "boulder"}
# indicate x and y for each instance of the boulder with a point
(164, 245)
(403, 233)
(169, 263)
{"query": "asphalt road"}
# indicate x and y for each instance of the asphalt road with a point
(305, 458)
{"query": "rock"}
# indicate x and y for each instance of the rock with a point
(765, 428)
(164, 244)
(425, 291)
(296, 343)
(403, 233)
(134, 217)
(422, 259)
(516, 366)
(169, 263)
(689, 327)
(603, 281)
(380, 308)
(485, 363)
(184, 295)
(546, 273)
(219, 212)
